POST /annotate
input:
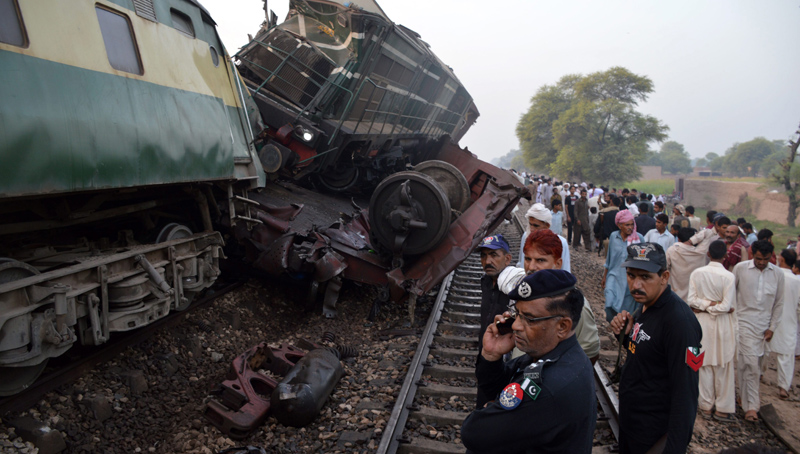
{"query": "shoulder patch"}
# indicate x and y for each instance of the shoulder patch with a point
(694, 359)
(511, 396)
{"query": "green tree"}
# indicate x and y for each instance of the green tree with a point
(534, 129)
(651, 158)
(701, 162)
(505, 160)
(674, 158)
(587, 127)
(747, 158)
(789, 177)
(715, 161)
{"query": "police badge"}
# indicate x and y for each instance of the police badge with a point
(511, 396)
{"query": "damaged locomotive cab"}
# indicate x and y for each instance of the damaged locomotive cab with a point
(359, 112)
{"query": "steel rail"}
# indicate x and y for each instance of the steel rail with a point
(607, 398)
(391, 435)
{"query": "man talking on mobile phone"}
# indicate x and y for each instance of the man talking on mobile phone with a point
(544, 400)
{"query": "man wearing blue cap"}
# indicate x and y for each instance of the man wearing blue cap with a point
(544, 400)
(658, 390)
(495, 258)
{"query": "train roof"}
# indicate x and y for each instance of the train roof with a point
(203, 10)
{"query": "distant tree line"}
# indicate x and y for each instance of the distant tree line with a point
(749, 159)
(511, 160)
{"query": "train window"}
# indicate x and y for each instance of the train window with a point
(11, 31)
(214, 56)
(119, 41)
(393, 71)
(182, 22)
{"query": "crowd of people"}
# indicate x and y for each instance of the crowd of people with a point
(696, 305)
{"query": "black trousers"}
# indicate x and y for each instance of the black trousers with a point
(569, 229)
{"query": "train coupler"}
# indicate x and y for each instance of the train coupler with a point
(243, 400)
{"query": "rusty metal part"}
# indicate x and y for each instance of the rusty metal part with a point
(409, 213)
(451, 180)
(331, 295)
(243, 400)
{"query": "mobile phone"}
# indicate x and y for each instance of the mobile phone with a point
(505, 327)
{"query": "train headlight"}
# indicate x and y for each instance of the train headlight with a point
(305, 134)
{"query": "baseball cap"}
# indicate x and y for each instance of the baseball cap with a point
(646, 256)
(494, 242)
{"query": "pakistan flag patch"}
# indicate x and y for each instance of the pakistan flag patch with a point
(531, 389)
(694, 358)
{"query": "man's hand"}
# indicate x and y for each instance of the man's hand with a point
(768, 335)
(578, 221)
(495, 345)
(623, 320)
(714, 303)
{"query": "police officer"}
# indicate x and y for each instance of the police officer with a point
(545, 398)
(659, 386)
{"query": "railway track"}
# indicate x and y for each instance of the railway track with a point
(62, 374)
(442, 371)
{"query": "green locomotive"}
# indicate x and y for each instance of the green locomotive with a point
(349, 96)
(121, 122)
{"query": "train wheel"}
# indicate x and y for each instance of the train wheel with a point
(173, 231)
(409, 213)
(17, 379)
(450, 179)
(342, 178)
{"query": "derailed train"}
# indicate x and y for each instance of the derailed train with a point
(131, 150)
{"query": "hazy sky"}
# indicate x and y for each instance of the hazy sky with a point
(724, 71)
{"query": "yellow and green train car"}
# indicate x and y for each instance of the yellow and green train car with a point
(123, 125)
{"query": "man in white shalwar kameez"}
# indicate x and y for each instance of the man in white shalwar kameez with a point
(759, 303)
(712, 297)
(785, 338)
(682, 260)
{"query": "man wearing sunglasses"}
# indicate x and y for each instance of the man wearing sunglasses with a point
(545, 399)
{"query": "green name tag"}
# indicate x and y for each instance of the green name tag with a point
(531, 389)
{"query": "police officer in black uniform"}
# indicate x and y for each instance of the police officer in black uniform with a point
(658, 389)
(545, 399)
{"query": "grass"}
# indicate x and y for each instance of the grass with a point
(768, 181)
(661, 186)
(782, 234)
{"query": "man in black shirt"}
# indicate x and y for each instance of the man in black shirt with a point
(659, 386)
(644, 223)
(569, 206)
(545, 399)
